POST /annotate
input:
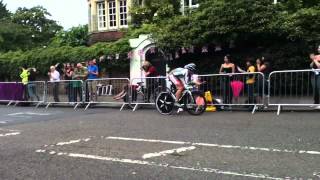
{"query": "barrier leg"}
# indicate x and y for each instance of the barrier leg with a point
(10, 102)
(87, 106)
(38, 105)
(254, 109)
(135, 107)
(123, 105)
(75, 107)
(48, 105)
(15, 104)
(279, 109)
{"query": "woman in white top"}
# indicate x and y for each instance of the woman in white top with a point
(54, 76)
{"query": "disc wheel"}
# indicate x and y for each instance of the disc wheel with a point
(165, 103)
(195, 104)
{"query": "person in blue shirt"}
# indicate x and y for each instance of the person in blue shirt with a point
(93, 71)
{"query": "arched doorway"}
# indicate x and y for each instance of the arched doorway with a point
(157, 59)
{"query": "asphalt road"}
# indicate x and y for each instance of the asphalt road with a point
(60, 143)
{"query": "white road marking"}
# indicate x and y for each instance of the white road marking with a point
(29, 113)
(166, 152)
(41, 151)
(3, 122)
(10, 130)
(218, 145)
(73, 142)
(148, 163)
(147, 140)
(10, 134)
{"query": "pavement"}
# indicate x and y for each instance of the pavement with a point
(104, 143)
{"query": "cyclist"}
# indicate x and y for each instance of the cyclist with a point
(181, 77)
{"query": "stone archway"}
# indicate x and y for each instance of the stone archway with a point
(141, 46)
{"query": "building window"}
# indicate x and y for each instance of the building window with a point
(194, 2)
(112, 14)
(191, 3)
(101, 15)
(123, 13)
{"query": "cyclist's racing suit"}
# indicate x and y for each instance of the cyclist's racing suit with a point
(181, 77)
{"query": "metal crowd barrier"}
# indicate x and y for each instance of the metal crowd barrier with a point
(235, 89)
(292, 88)
(145, 90)
(65, 92)
(108, 91)
(34, 92)
(11, 91)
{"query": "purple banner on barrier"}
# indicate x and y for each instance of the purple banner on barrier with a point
(11, 91)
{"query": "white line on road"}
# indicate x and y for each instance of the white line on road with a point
(139, 162)
(10, 134)
(73, 142)
(166, 152)
(10, 130)
(218, 145)
(29, 113)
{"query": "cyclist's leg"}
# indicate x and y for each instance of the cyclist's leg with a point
(174, 81)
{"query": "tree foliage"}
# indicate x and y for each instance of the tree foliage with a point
(147, 11)
(76, 36)
(4, 12)
(41, 28)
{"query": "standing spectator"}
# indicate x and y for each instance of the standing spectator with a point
(24, 79)
(60, 68)
(249, 81)
(263, 66)
(54, 76)
(68, 77)
(80, 74)
(315, 64)
(150, 72)
(32, 91)
(93, 71)
(226, 68)
(94, 62)
(93, 74)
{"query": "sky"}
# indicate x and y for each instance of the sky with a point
(67, 13)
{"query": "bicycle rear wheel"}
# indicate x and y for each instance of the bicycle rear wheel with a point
(195, 104)
(165, 103)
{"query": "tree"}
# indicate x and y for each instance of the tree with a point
(13, 37)
(4, 12)
(147, 11)
(41, 28)
(76, 36)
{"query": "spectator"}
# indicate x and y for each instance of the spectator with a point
(24, 79)
(80, 74)
(93, 71)
(150, 72)
(54, 76)
(226, 68)
(315, 64)
(93, 74)
(68, 77)
(250, 81)
(60, 68)
(32, 91)
(263, 66)
(94, 62)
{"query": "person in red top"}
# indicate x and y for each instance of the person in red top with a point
(150, 72)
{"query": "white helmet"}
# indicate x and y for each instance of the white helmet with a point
(191, 67)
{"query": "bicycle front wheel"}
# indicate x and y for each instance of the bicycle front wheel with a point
(165, 103)
(195, 104)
